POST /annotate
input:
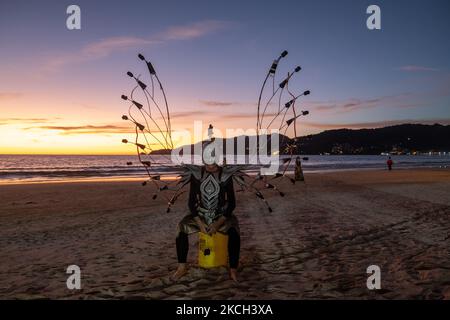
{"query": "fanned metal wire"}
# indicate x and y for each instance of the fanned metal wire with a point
(155, 129)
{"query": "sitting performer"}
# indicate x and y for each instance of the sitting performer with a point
(211, 204)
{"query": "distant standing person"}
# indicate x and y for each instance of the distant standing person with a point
(298, 170)
(389, 163)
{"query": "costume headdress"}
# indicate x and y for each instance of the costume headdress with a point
(150, 115)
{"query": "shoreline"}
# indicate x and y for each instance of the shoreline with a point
(6, 182)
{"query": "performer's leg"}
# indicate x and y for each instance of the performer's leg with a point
(182, 243)
(187, 225)
(234, 247)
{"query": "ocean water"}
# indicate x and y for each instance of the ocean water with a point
(18, 168)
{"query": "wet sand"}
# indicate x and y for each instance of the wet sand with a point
(316, 244)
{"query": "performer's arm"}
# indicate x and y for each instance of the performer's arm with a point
(231, 199)
(193, 192)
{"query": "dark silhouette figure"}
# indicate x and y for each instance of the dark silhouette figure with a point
(389, 163)
(298, 170)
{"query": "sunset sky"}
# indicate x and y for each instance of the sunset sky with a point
(60, 89)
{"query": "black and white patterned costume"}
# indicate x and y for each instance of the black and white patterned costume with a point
(211, 195)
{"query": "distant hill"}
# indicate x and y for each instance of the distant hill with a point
(399, 139)
(405, 138)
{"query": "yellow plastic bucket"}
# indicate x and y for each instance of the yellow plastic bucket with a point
(212, 250)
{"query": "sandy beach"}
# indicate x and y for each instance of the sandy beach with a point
(316, 244)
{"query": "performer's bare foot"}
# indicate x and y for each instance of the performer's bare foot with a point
(181, 271)
(233, 275)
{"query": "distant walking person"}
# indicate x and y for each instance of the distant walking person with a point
(389, 163)
(298, 170)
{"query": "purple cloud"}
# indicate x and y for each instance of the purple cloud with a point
(9, 95)
(213, 103)
(355, 104)
(414, 68)
(107, 46)
(370, 125)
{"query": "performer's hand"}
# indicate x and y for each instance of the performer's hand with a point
(216, 225)
(212, 229)
(203, 227)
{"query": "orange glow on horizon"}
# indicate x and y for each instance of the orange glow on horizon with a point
(35, 125)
